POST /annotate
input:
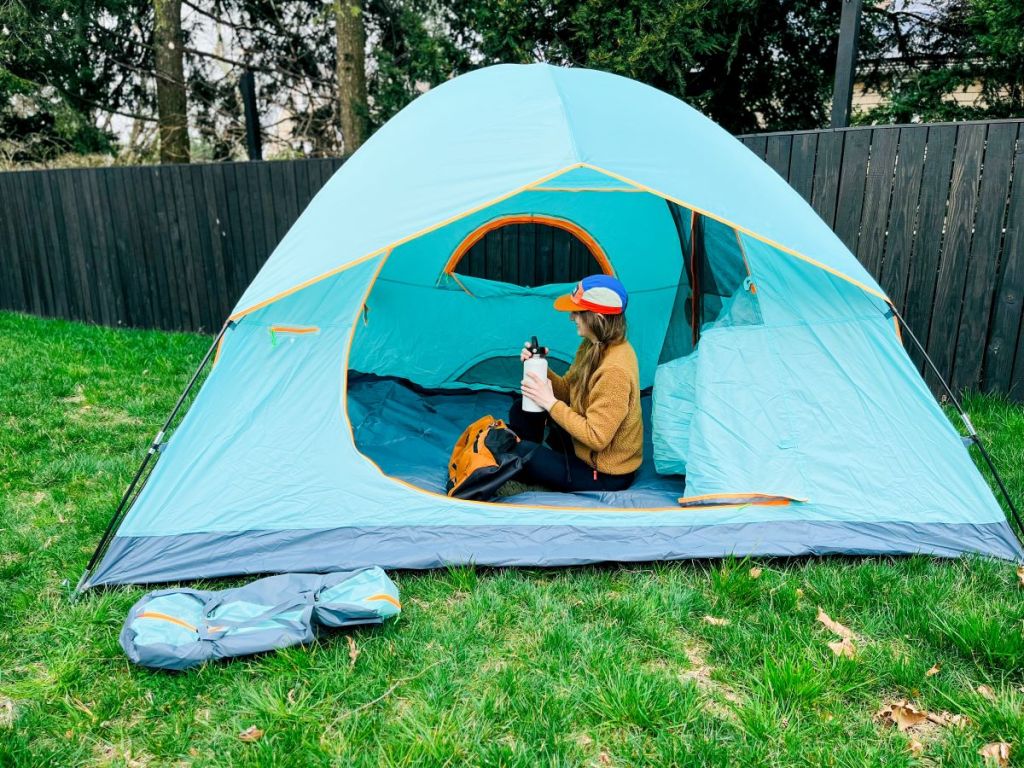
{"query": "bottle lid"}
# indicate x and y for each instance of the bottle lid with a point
(535, 348)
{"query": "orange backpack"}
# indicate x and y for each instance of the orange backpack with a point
(484, 457)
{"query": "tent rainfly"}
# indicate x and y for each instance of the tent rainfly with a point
(786, 416)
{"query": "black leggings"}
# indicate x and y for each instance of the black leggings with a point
(556, 465)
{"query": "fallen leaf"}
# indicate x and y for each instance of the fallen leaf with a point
(353, 651)
(902, 714)
(584, 741)
(915, 747)
(946, 718)
(986, 692)
(936, 668)
(68, 734)
(6, 712)
(82, 708)
(996, 753)
(1020, 574)
(755, 573)
(799, 593)
(716, 622)
(843, 648)
(251, 734)
(291, 696)
(834, 626)
(604, 758)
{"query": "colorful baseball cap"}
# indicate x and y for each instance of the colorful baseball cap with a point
(597, 293)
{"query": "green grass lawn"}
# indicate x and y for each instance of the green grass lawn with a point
(603, 666)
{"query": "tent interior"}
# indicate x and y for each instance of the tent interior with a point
(438, 342)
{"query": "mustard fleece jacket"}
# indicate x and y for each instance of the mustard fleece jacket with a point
(609, 433)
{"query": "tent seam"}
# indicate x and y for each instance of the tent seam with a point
(565, 114)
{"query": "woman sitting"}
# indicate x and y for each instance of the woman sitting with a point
(595, 441)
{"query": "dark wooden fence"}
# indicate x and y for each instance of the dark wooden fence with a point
(932, 211)
(169, 247)
(936, 214)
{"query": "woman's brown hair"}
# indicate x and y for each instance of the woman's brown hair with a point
(608, 330)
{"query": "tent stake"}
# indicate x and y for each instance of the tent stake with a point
(154, 448)
(971, 432)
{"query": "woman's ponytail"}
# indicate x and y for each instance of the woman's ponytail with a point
(608, 330)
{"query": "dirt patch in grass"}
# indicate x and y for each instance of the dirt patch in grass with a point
(98, 415)
(714, 693)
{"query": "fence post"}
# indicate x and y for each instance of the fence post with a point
(846, 62)
(253, 142)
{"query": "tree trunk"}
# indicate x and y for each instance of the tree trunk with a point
(170, 83)
(351, 72)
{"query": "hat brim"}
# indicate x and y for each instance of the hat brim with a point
(566, 304)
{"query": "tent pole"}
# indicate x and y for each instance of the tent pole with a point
(972, 433)
(154, 449)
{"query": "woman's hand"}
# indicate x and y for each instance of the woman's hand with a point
(526, 354)
(539, 390)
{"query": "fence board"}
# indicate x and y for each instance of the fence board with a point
(826, 175)
(509, 237)
(852, 178)
(935, 212)
(51, 245)
(476, 258)
(269, 210)
(179, 275)
(561, 258)
(757, 145)
(801, 164)
(877, 196)
(949, 292)
(31, 273)
(1006, 315)
(157, 236)
(216, 232)
(546, 253)
(527, 254)
(245, 211)
(493, 262)
(81, 277)
(18, 291)
(232, 237)
(131, 270)
(777, 153)
(924, 264)
(906, 193)
(111, 295)
(984, 255)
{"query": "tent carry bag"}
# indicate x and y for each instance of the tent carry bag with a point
(484, 457)
(182, 628)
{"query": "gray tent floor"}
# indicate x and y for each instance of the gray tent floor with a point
(409, 433)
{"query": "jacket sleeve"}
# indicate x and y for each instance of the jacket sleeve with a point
(607, 409)
(559, 385)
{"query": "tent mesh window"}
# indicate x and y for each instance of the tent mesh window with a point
(725, 294)
(715, 287)
(529, 255)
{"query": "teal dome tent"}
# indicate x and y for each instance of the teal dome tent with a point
(786, 417)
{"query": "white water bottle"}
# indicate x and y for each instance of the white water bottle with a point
(537, 364)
